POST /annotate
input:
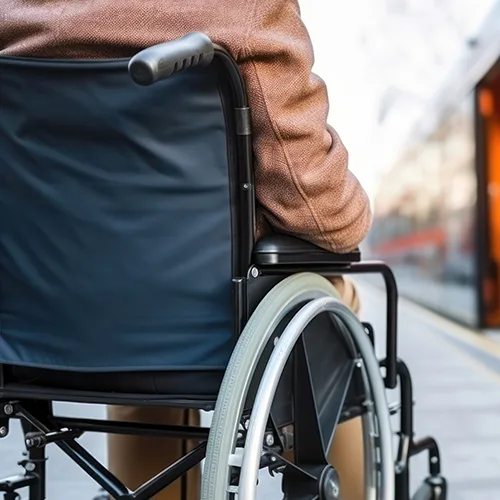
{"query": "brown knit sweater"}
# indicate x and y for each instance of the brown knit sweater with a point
(303, 183)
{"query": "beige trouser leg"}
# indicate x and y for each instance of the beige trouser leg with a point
(136, 459)
(347, 456)
(346, 453)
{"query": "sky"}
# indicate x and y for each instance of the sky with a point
(385, 58)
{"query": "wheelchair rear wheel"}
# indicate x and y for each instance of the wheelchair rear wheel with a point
(309, 477)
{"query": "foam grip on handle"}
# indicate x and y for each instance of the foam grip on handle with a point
(160, 61)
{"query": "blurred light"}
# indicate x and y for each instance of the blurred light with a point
(486, 102)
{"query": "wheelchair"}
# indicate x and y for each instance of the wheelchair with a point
(130, 275)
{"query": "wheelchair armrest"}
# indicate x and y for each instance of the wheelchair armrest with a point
(280, 249)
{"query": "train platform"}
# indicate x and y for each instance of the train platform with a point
(456, 377)
(456, 383)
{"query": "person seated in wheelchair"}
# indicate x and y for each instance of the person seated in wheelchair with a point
(303, 184)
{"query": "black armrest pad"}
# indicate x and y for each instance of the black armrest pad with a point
(279, 249)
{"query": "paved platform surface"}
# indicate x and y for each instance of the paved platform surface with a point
(456, 387)
(456, 379)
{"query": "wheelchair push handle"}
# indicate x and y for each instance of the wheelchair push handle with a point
(160, 61)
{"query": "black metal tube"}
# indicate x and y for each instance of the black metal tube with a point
(406, 391)
(429, 444)
(133, 429)
(168, 476)
(403, 484)
(246, 188)
(184, 484)
(247, 201)
(240, 306)
(234, 75)
(93, 468)
(13, 483)
(37, 456)
(80, 456)
(105, 478)
(391, 314)
(406, 431)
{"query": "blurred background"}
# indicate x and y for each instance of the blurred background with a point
(414, 87)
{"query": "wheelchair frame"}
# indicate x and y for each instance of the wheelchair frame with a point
(34, 409)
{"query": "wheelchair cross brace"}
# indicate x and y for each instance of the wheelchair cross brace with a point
(63, 432)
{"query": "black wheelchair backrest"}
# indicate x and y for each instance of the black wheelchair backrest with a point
(115, 218)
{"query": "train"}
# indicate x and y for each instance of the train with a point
(437, 208)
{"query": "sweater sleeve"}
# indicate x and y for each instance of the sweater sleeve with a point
(304, 186)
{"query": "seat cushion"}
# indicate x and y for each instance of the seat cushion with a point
(171, 383)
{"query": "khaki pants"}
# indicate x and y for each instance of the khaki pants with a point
(136, 459)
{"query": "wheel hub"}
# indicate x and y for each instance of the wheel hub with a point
(329, 486)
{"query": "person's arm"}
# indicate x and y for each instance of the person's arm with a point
(303, 183)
